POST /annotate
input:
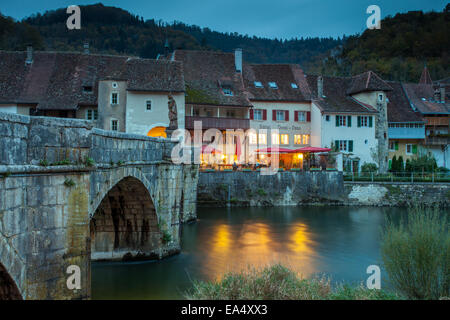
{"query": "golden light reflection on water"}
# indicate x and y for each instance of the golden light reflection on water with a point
(258, 245)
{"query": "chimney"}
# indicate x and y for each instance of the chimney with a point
(442, 93)
(86, 48)
(29, 55)
(238, 59)
(319, 87)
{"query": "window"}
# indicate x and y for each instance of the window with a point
(87, 89)
(364, 121)
(252, 138)
(114, 98)
(114, 85)
(306, 139)
(411, 149)
(258, 84)
(380, 97)
(294, 86)
(114, 125)
(257, 114)
(327, 118)
(301, 116)
(230, 114)
(227, 91)
(344, 145)
(91, 114)
(273, 85)
(275, 138)
(148, 105)
(284, 138)
(262, 138)
(280, 115)
(196, 112)
(393, 145)
(297, 139)
(341, 121)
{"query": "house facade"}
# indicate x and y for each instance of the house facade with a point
(117, 93)
(347, 115)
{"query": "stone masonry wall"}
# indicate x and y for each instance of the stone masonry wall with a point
(240, 188)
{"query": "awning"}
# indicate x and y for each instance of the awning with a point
(310, 149)
(273, 150)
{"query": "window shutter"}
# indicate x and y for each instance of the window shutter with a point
(295, 115)
(336, 143)
(264, 114)
(286, 115)
(390, 164)
(396, 145)
(251, 114)
(337, 121)
(274, 115)
(414, 148)
(308, 116)
(359, 121)
(370, 122)
(349, 119)
(350, 145)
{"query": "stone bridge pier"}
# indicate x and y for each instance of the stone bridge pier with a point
(71, 193)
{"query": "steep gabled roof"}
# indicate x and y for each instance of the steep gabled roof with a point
(422, 97)
(335, 99)
(399, 108)
(284, 75)
(367, 81)
(205, 72)
(425, 77)
(55, 80)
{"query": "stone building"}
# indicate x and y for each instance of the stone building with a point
(118, 93)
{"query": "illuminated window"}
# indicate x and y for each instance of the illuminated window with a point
(297, 139)
(284, 138)
(114, 98)
(258, 84)
(306, 139)
(262, 138)
(275, 138)
(273, 85)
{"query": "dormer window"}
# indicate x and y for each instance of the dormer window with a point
(294, 86)
(273, 85)
(227, 91)
(87, 89)
(258, 84)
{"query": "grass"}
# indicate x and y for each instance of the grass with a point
(279, 283)
(69, 183)
(416, 254)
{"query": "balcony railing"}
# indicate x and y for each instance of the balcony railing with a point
(436, 121)
(406, 133)
(218, 123)
(434, 141)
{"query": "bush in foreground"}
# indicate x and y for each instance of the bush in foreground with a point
(416, 254)
(278, 283)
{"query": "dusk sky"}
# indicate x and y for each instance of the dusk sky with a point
(266, 18)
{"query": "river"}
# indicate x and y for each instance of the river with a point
(340, 242)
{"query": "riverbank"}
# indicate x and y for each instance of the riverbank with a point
(251, 189)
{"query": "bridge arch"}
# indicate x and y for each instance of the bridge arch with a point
(8, 287)
(125, 223)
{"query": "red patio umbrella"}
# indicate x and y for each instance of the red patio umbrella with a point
(311, 149)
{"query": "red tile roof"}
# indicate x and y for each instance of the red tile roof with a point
(205, 72)
(335, 98)
(398, 107)
(55, 80)
(367, 81)
(284, 75)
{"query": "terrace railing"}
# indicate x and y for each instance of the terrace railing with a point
(406, 177)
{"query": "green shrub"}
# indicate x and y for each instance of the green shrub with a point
(89, 162)
(416, 254)
(69, 183)
(276, 283)
(369, 167)
(261, 192)
(166, 237)
(43, 163)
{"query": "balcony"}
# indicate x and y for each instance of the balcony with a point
(437, 121)
(406, 133)
(437, 140)
(218, 123)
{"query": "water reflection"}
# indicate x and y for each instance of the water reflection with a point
(338, 241)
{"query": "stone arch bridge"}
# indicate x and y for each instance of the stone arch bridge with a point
(70, 193)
